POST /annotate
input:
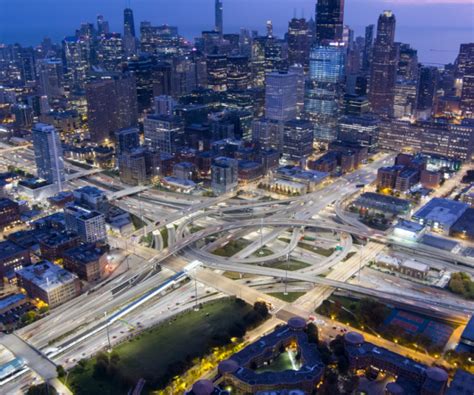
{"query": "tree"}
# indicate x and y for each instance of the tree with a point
(60, 371)
(312, 332)
(41, 389)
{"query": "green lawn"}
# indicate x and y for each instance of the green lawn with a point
(232, 248)
(291, 297)
(292, 265)
(317, 250)
(160, 353)
(263, 252)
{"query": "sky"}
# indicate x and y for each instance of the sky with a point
(434, 27)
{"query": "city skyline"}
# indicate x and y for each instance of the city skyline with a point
(445, 25)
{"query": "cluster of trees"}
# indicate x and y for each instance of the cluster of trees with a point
(462, 284)
(41, 389)
(366, 312)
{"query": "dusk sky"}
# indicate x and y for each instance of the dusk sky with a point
(428, 25)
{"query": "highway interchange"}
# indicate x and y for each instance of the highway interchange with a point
(225, 218)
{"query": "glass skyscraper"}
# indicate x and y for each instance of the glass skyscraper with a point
(324, 89)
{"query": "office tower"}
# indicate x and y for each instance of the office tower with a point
(368, 48)
(110, 53)
(126, 140)
(238, 72)
(329, 20)
(404, 103)
(159, 40)
(111, 105)
(219, 17)
(217, 72)
(27, 64)
(465, 71)
(268, 133)
(102, 25)
(164, 105)
(384, 66)
(274, 54)
(324, 89)
(281, 96)
(48, 154)
(407, 67)
(88, 224)
(298, 42)
(77, 56)
(297, 140)
(129, 37)
(426, 91)
(300, 85)
(224, 175)
(164, 133)
(51, 78)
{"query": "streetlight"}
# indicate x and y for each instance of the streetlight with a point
(107, 330)
(286, 273)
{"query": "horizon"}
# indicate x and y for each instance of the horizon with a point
(437, 41)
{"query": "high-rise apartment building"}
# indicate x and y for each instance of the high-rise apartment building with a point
(111, 105)
(48, 154)
(51, 78)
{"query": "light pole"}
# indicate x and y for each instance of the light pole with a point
(286, 273)
(107, 330)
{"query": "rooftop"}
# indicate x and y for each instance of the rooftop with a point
(439, 242)
(9, 249)
(297, 173)
(441, 211)
(409, 226)
(85, 253)
(5, 203)
(46, 275)
(465, 224)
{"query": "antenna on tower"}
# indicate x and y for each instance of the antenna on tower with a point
(294, 13)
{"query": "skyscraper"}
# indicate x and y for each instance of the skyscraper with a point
(129, 38)
(329, 20)
(111, 105)
(368, 47)
(219, 17)
(281, 96)
(324, 89)
(238, 72)
(298, 42)
(384, 66)
(102, 25)
(48, 154)
(465, 70)
(426, 91)
(217, 72)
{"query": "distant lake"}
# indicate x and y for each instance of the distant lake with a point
(435, 30)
